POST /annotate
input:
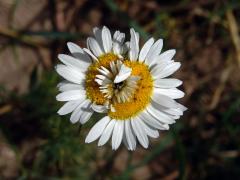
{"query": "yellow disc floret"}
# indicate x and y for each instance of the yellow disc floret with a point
(92, 88)
(142, 95)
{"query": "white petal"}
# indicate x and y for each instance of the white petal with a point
(173, 111)
(150, 132)
(107, 39)
(154, 51)
(137, 39)
(163, 100)
(117, 48)
(94, 46)
(145, 49)
(152, 121)
(71, 95)
(134, 45)
(70, 74)
(130, 137)
(167, 83)
(140, 133)
(123, 74)
(74, 48)
(125, 142)
(98, 35)
(157, 62)
(159, 115)
(90, 54)
(68, 107)
(86, 116)
(125, 47)
(87, 112)
(117, 134)
(168, 70)
(99, 108)
(82, 113)
(78, 53)
(118, 37)
(176, 117)
(75, 116)
(157, 69)
(67, 86)
(73, 62)
(173, 93)
(97, 130)
(106, 133)
(183, 108)
(167, 55)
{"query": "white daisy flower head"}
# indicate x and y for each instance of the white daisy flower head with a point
(129, 85)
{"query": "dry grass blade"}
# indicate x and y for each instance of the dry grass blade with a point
(21, 38)
(234, 32)
(217, 94)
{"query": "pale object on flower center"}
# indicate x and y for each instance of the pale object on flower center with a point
(116, 83)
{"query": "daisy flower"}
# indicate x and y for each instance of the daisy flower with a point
(131, 87)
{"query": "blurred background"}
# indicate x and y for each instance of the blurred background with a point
(35, 143)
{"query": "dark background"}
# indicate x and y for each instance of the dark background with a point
(36, 143)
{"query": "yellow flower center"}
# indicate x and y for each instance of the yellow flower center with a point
(141, 97)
